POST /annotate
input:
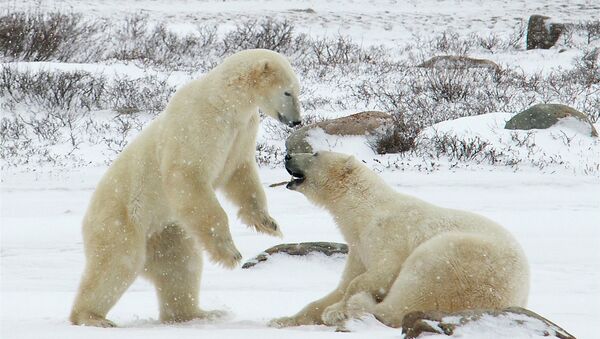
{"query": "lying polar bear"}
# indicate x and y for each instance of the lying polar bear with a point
(404, 253)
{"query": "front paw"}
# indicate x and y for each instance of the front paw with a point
(224, 253)
(335, 314)
(262, 223)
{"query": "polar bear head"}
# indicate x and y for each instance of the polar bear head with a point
(267, 78)
(324, 177)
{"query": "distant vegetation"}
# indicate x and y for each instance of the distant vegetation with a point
(50, 106)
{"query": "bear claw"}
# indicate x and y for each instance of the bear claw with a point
(334, 314)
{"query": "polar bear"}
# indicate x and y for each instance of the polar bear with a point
(155, 209)
(404, 253)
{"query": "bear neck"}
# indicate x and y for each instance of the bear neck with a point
(240, 107)
(364, 195)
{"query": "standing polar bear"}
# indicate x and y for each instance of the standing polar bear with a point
(156, 208)
(404, 253)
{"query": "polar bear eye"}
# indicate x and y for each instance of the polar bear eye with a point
(287, 94)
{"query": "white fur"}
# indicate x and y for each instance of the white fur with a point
(156, 208)
(405, 254)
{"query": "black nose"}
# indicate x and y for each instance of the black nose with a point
(288, 157)
(295, 123)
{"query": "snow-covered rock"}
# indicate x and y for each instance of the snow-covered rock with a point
(542, 116)
(359, 124)
(303, 248)
(542, 32)
(513, 322)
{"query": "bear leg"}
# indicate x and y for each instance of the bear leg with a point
(198, 210)
(174, 265)
(112, 264)
(453, 272)
(245, 190)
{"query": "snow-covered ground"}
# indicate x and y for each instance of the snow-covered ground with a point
(550, 199)
(555, 217)
(370, 21)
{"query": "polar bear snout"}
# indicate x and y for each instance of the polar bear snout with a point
(293, 164)
(290, 123)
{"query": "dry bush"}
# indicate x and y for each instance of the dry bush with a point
(359, 76)
(463, 149)
(135, 40)
(145, 94)
(268, 155)
(449, 42)
(276, 35)
(591, 30)
(81, 91)
(40, 37)
(51, 91)
(400, 137)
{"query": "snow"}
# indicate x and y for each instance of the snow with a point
(372, 21)
(554, 212)
(351, 144)
(567, 144)
(555, 217)
(504, 326)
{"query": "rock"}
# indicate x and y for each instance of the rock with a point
(454, 61)
(305, 10)
(541, 33)
(513, 319)
(542, 116)
(303, 248)
(362, 123)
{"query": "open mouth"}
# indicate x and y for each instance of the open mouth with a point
(297, 178)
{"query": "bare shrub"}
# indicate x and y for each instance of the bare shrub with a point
(137, 40)
(459, 148)
(41, 37)
(312, 118)
(123, 124)
(81, 91)
(516, 37)
(591, 30)
(433, 95)
(400, 137)
(451, 43)
(448, 84)
(342, 50)
(276, 35)
(587, 68)
(51, 90)
(490, 42)
(46, 108)
(130, 36)
(148, 94)
(275, 130)
(268, 155)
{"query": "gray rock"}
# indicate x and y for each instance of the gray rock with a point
(542, 34)
(363, 123)
(303, 248)
(457, 61)
(420, 323)
(542, 116)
